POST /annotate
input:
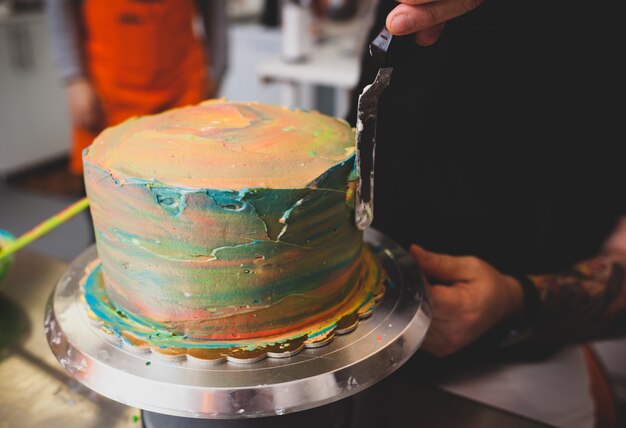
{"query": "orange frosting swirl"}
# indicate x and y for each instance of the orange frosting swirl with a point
(220, 145)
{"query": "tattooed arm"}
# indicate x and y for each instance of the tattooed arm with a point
(588, 301)
(470, 297)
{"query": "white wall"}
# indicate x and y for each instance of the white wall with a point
(249, 45)
(34, 122)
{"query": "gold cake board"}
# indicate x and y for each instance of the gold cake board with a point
(309, 379)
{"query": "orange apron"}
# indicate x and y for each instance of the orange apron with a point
(143, 57)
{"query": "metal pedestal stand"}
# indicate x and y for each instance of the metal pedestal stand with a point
(246, 392)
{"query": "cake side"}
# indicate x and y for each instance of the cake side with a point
(226, 264)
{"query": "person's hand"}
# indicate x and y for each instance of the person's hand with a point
(469, 296)
(426, 18)
(85, 107)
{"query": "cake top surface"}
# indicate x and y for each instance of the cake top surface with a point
(224, 145)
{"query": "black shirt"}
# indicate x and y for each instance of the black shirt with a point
(502, 139)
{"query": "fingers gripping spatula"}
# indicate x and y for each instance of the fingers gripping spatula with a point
(367, 115)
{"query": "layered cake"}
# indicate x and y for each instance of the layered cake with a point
(226, 225)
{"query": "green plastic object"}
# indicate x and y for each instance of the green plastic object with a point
(6, 238)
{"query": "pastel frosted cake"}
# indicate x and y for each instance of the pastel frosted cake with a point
(227, 226)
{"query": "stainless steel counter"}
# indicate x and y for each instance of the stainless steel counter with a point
(35, 391)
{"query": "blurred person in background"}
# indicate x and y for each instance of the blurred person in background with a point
(123, 58)
(497, 153)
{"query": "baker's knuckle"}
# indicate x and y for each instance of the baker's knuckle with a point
(430, 17)
(455, 341)
(473, 261)
(475, 264)
(469, 5)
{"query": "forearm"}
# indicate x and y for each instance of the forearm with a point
(586, 302)
(61, 19)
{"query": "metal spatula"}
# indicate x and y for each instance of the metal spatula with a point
(367, 115)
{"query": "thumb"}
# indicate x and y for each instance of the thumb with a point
(439, 267)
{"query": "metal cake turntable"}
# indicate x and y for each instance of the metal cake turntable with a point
(307, 380)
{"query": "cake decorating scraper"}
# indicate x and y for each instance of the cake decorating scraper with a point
(367, 114)
(10, 246)
(6, 238)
